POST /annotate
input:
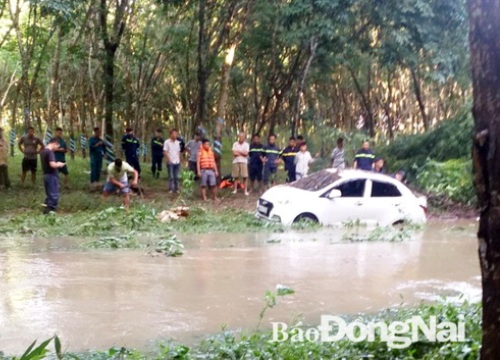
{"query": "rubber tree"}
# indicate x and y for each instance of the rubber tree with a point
(112, 27)
(484, 37)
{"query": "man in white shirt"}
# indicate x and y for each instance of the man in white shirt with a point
(302, 161)
(240, 162)
(172, 152)
(118, 180)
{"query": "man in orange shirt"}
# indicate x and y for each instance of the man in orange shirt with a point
(207, 170)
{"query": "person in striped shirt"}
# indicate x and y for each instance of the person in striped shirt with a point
(337, 157)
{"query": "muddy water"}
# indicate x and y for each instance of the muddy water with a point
(98, 299)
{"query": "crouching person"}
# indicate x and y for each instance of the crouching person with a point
(207, 169)
(118, 180)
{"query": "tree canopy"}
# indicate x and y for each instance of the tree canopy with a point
(387, 67)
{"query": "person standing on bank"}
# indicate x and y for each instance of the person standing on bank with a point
(97, 150)
(302, 161)
(271, 160)
(192, 148)
(207, 170)
(4, 161)
(130, 147)
(288, 156)
(172, 153)
(157, 153)
(240, 162)
(51, 175)
(364, 157)
(255, 163)
(61, 154)
(30, 146)
(337, 158)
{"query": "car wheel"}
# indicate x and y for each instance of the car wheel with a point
(306, 217)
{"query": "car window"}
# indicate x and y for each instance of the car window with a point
(381, 189)
(316, 181)
(353, 188)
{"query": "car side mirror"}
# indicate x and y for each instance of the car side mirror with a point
(334, 194)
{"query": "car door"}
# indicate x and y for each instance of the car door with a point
(385, 203)
(349, 206)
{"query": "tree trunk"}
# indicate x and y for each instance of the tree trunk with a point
(313, 44)
(365, 101)
(484, 36)
(202, 67)
(109, 81)
(420, 100)
(224, 88)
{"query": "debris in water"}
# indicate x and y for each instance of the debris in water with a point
(173, 214)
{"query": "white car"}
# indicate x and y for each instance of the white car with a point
(332, 198)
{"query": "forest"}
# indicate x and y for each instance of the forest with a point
(382, 67)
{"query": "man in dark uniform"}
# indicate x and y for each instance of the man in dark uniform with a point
(365, 157)
(130, 146)
(271, 160)
(255, 164)
(288, 157)
(298, 142)
(97, 150)
(51, 175)
(157, 153)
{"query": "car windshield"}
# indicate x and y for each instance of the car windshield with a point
(316, 181)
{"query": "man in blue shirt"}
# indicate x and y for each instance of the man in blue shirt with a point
(271, 160)
(97, 150)
(157, 153)
(364, 157)
(288, 156)
(130, 146)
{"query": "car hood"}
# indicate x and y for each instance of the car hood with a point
(284, 193)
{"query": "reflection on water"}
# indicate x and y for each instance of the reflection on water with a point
(98, 299)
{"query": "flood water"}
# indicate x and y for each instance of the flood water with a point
(95, 299)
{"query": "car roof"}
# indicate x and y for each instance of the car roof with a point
(322, 179)
(357, 174)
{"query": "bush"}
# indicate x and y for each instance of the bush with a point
(451, 179)
(438, 161)
(449, 140)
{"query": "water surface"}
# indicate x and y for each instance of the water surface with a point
(99, 298)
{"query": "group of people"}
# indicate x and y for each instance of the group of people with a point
(255, 161)
(52, 159)
(201, 160)
(259, 163)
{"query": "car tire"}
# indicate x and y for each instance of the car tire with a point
(308, 217)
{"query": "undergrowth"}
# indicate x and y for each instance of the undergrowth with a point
(260, 345)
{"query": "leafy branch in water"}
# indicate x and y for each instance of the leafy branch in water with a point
(169, 247)
(271, 299)
(128, 241)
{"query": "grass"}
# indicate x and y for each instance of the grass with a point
(260, 345)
